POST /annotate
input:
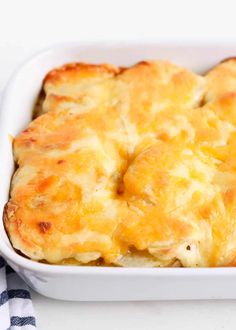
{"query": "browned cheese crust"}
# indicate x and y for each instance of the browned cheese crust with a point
(129, 167)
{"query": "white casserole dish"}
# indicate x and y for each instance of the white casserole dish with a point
(102, 283)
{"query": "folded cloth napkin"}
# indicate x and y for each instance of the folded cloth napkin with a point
(16, 309)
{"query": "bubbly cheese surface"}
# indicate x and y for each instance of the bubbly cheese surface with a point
(129, 167)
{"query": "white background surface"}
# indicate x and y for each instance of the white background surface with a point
(26, 27)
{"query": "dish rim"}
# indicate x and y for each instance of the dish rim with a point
(10, 254)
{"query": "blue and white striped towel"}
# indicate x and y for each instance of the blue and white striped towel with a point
(16, 309)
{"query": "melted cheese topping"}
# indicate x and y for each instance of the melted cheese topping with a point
(134, 167)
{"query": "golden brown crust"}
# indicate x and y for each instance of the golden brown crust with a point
(129, 166)
(232, 58)
(221, 79)
(79, 71)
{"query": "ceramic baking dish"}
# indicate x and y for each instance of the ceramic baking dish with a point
(102, 283)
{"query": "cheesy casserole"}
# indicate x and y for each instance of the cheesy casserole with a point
(128, 167)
